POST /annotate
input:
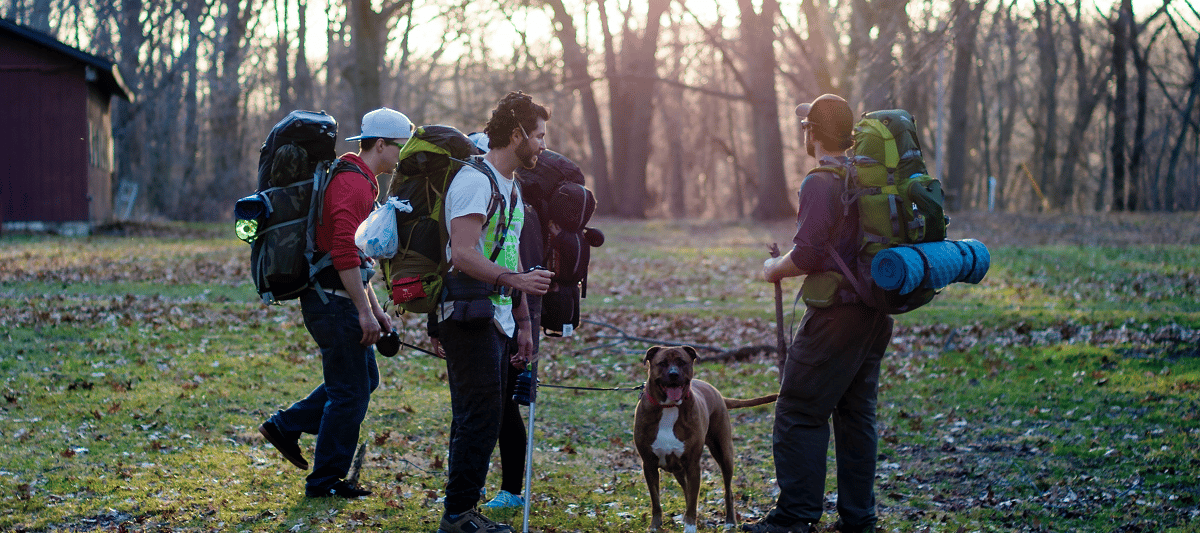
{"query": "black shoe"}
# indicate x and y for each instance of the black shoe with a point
(766, 525)
(843, 528)
(471, 522)
(340, 489)
(287, 447)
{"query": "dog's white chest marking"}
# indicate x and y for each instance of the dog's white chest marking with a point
(665, 444)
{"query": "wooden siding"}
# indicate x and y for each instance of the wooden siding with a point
(44, 144)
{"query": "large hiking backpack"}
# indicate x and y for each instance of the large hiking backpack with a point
(899, 203)
(555, 190)
(295, 165)
(428, 163)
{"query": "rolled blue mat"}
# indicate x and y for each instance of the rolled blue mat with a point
(251, 207)
(931, 264)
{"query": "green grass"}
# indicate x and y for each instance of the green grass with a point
(1061, 394)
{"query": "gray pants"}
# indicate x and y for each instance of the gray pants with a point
(832, 370)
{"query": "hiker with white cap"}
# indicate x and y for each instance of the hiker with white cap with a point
(832, 367)
(343, 316)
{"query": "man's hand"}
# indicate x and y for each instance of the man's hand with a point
(777, 268)
(535, 282)
(525, 353)
(370, 328)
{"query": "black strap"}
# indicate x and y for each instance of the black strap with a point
(498, 201)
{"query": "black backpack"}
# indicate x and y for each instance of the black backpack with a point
(555, 191)
(295, 165)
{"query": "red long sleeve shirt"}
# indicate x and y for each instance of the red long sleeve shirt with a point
(349, 198)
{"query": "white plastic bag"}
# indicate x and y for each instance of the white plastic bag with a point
(376, 236)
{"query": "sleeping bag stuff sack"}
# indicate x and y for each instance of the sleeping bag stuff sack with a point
(930, 265)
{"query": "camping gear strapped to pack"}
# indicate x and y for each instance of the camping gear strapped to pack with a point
(899, 204)
(555, 189)
(295, 164)
(428, 163)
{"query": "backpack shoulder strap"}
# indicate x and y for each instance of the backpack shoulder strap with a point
(497, 202)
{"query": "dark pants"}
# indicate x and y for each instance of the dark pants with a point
(512, 438)
(832, 369)
(476, 367)
(513, 441)
(336, 408)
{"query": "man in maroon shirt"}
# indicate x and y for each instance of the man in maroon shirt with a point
(343, 316)
(832, 366)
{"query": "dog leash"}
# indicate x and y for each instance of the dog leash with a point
(611, 389)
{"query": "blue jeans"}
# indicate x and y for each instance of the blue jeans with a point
(832, 370)
(476, 367)
(335, 409)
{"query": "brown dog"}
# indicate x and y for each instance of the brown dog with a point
(675, 418)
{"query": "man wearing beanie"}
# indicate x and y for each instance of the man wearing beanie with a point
(832, 367)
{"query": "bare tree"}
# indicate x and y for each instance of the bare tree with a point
(1089, 91)
(368, 34)
(577, 78)
(1188, 121)
(966, 25)
(632, 80)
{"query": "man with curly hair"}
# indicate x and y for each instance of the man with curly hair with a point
(485, 267)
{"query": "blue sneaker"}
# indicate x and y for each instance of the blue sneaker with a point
(505, 500)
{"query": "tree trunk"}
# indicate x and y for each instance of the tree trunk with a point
(1185, 118)
(758, 35)
(966, 26)
(632, 84)
(368, 36)
(128, 129)
(577, 77)
(1089, 89)
(1120, 41)
(1046, 137)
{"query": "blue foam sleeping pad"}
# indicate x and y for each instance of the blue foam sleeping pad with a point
(904, 267)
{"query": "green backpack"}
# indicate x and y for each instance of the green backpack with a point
(428, 163)
(899, 204)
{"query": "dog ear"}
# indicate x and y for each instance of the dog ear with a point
(691, 351)
(650, 353)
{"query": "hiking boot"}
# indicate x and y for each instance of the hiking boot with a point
(766, 525)
(843, 528)
(339, 489)
(287, 447)
(471, 522)
(505, 500)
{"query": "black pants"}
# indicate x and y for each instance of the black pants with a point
(513, 440)
(832, 370)
(476, 368)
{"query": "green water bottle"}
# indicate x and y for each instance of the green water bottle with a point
(246, 230)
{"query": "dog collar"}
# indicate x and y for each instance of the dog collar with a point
(654, 401)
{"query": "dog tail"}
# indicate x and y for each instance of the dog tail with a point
(731, 403)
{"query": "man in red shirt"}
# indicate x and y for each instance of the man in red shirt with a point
(343, 316)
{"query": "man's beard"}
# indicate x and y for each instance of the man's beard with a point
(526, 156)
(812, 148)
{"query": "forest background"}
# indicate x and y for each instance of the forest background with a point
(674, 108)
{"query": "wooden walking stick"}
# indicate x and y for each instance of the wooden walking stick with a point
(780, 338)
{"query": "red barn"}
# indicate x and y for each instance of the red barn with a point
(56, 146)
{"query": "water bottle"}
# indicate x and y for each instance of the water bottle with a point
(525, 391)
(246, 230)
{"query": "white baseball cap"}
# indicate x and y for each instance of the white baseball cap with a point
(384, 123)
(480, 140)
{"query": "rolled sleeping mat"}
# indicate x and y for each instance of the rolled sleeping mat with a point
(931, 265)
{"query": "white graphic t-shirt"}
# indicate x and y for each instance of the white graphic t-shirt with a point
(470, 193)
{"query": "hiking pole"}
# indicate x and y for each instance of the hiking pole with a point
(525, 393)
(780, 339)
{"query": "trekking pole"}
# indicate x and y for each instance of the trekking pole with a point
(780, 339)
(526, 393)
